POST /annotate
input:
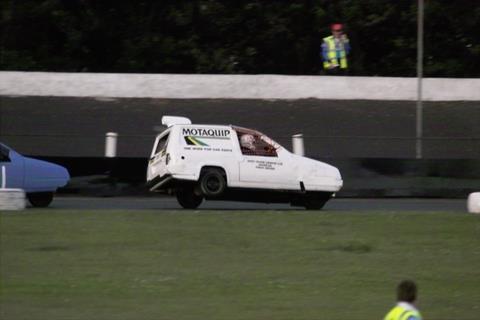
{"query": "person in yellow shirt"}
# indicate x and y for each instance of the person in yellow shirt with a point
(335, 49)
(405, 308)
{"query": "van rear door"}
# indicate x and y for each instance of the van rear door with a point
(157, 166)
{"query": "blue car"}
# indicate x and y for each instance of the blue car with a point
(39, 179)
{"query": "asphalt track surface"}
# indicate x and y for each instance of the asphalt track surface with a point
(76, 127)
(170, 203)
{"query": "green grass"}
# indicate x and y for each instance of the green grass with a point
(64, 264)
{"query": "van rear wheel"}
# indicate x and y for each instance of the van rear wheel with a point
(213, 182)
(187, 198)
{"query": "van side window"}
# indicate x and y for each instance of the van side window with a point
(162, 144)
(252, 144)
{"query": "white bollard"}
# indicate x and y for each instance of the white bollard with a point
(297, 144)
(12, 199)
(3, 184)
(111, 144)
(473, 202)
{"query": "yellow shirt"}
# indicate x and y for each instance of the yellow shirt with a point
(403, 311)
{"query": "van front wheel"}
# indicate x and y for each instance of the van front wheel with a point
(188, 199)
(314, 204)
(316, 201)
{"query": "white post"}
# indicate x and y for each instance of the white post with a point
(297, 144)
(4, 178)
(473, 202)
(111, 144)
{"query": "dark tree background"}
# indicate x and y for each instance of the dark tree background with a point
(253, 37)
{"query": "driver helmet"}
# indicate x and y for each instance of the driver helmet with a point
(247, 141)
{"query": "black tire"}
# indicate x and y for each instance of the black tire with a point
(188, 199)
(315, 201)
(213, 182)
(40, 199)
(311, 204)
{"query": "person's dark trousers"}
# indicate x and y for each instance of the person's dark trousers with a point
(336, 72)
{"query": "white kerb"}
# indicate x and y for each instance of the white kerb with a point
(473, 202)
(12, 199)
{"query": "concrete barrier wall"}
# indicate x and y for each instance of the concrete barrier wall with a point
(197, 86)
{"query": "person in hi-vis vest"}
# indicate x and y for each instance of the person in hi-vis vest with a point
(335, 49)
(405, 308)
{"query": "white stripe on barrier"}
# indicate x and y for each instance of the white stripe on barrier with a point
(203, 86)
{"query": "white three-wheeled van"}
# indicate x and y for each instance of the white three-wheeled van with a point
(225, 162)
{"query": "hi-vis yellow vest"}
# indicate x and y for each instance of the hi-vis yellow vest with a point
(399, 313)
(332, 54)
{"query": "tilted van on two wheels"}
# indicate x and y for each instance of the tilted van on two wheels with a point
(225, 162)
